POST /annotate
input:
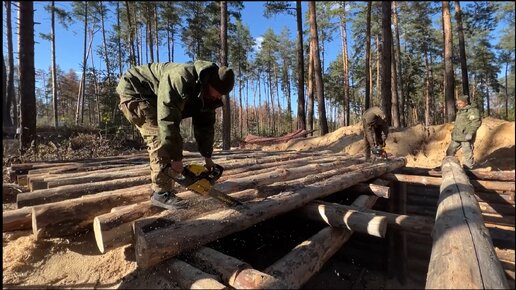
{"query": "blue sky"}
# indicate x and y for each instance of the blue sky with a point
(69, 43)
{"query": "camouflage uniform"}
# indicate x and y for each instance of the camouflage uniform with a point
(463, 134)
(374, 123)
(155, 98)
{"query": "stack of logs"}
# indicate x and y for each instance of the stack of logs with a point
(112, 196)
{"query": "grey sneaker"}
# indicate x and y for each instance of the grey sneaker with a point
(168, 200)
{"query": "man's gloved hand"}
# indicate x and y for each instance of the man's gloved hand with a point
(468, 137)
(208, 163)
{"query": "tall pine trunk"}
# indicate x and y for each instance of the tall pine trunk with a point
(226, 108)
(449, 79)
(367, 103)
(301, 116)
(310, 90)
(54, 67)
(10, 101)
(323, 124)
(344, 40)
(27, 74)
(397, 49)
(386, 60)
(462, 49)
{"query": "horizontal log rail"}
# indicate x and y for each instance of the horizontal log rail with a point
(499, 175)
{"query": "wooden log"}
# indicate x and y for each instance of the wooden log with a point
(459, 222)
(480, 185)
(99, 177)
(338, 216)
(306, 259)
(505, 254)
(371, 188)
(410, 223)
(502, 236)
(59, 219)
(234, 272)
(502, 209)
(73, 191)
(494, 197)
(153, 243)
(499, 175)
(17, 219)
(115, 228)
(498, 219)
(189, 277)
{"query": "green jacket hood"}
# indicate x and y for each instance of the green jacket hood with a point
(202, 67)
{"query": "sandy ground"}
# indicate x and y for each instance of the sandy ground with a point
(75, 262)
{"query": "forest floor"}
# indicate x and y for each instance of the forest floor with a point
(75, 262)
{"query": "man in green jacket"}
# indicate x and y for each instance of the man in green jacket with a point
(467, 122)
(156, 97)
(376, 130)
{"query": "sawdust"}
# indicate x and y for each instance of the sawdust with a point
(422, 146)
(76, 262)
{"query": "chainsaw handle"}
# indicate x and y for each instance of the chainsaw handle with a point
(216, 172)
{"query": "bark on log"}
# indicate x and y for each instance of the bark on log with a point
(371, 188)
(306, 259)
(480, 185)
(234, 272)
(17, 219)
(337, 216)
(59, 219)
(472, 174)
(410, 223)
(459, 222)
(155, 243)
(115, 228)
(73, 191)
(189, 277)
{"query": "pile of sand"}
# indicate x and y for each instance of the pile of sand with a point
(422, 146)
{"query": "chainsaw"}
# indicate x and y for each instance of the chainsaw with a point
(379, 153)
(199, 179)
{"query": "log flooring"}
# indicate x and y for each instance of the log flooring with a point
(266, 244)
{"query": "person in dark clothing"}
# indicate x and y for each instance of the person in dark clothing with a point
(467, 122)
(376, 130)
(156, 97)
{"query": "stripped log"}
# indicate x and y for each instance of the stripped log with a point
(498, 219)
(234, 272)
(338, 216)
(115, 228)
(157, 240)
(410, 223)
(189, 277)
(480, 185)
(505, 254)
(502, 209)
(306, 259)
(18, 219)
(473, 264)
(499, 175)
(73, 191)
(371, 188)
(95, 177)
(67, 217)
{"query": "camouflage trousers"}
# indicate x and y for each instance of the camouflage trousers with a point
(467, 150)
(143, 114)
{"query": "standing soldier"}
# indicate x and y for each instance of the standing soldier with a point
(464, 131)
(376, 130)
(156, 97)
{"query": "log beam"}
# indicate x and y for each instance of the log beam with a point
(459, 221)
(499, 175)
(338, 216)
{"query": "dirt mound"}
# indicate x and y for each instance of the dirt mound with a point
(422, 146)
